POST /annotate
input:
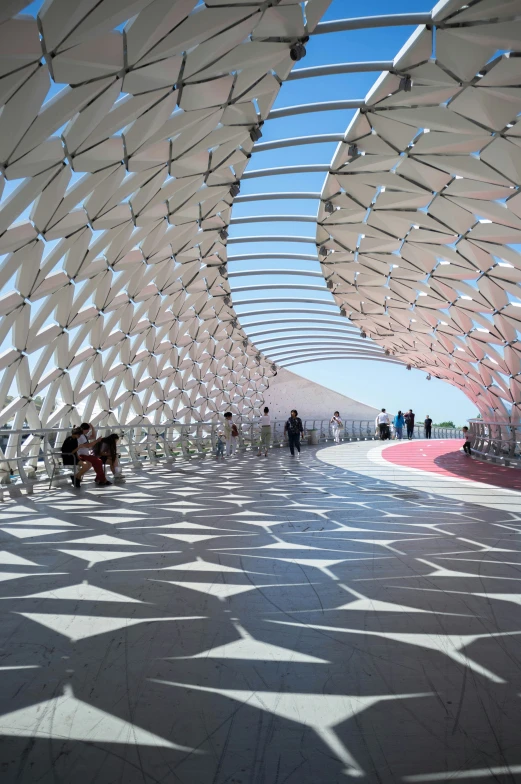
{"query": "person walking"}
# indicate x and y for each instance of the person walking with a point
(399, 422)
(230, 433)
(336, 426)
(409, 421)
(265, 433)
(293, 428)
(427, 426)
(382, 422)
(468, 439)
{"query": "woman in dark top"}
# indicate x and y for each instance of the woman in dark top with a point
(409, 421)
(107, 450)
(293, 428)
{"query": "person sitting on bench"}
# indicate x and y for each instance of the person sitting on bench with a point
(86, 460)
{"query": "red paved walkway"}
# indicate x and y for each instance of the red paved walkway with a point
(444, 457)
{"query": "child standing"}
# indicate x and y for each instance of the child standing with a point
(468, 439)
(219, 447)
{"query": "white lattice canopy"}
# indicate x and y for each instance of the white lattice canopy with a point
(126, 127)
(421, 244)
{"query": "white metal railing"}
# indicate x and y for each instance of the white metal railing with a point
(32, 455)
(498, 442)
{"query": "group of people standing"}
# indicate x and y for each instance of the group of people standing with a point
(407, 420)
(228, 436)
(83, 450)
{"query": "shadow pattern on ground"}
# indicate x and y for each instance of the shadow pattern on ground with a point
(258, 622)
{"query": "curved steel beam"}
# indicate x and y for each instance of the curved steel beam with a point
(301, 319)
(339, 68)
(264, 300)
(277, 286)
(347, 332)
(310, 343)
(321, 350)
(273, 313)
(346, 355)
(323, 106)
(359, 344)
(304, 273)
(294, 354)
(306, 168)
(273, 238)
(343, 331)
(269, 256)
(296, 141)
(269, 218)
(277, 195)
(367, 22)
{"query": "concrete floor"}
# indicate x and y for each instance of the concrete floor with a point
(261, 622)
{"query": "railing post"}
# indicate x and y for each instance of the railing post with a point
(20, 464)
(185, 442)
(136, 462)
(198, 440)
(169, 444)
(48, 462)
(151, 447)
(513, 442)
(241, 446)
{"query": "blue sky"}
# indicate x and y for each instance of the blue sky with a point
(361, 379)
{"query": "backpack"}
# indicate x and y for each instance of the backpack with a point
(68, 446)
(235, 432)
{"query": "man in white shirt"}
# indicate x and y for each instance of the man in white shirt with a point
(382, 422)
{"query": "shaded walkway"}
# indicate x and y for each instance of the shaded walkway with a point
(258, 622)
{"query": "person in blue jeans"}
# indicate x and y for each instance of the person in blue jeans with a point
(293, 428)
(398, 423)
(219, 447)
(409, 421)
